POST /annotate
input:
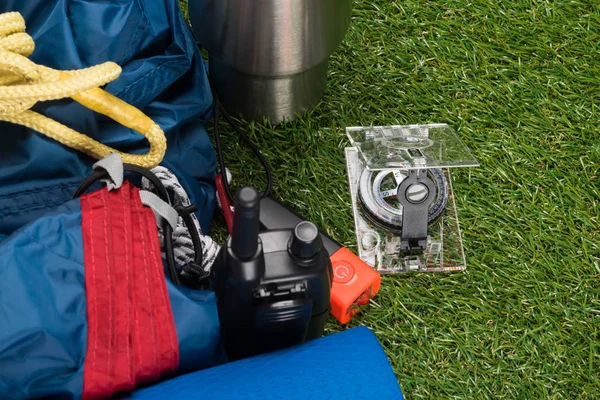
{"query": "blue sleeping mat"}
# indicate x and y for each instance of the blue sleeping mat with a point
(346, 365)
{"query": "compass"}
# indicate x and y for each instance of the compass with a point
(378, 194)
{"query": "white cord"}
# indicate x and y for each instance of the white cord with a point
(183, 245)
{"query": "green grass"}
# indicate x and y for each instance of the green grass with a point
(519, 81)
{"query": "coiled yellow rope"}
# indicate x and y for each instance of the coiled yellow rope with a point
(24, 83)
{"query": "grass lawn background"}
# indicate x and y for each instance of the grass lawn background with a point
(519, 81)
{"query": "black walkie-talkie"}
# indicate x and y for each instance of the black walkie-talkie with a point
(273, 287)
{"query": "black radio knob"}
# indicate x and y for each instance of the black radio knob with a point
(306, 241)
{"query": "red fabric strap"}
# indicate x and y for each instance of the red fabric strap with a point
(131, 329)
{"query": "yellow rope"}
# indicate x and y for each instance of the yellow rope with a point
(23, 83)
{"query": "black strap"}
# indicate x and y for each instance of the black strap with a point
(220, 110)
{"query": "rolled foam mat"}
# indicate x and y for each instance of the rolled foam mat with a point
(346, 365)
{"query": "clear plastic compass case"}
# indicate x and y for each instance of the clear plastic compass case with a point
(377, 163)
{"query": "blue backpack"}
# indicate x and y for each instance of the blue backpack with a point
(44, 316)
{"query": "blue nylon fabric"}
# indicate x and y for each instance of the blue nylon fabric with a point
(163, 74)
(43, 328)
(43, 338)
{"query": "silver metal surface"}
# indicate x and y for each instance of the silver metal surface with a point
(269, 58)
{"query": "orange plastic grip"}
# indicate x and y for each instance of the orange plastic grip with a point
(354, 284)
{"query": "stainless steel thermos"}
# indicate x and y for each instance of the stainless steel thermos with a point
(269, 58)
